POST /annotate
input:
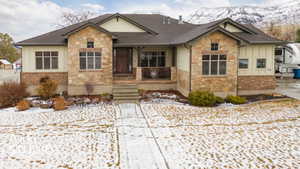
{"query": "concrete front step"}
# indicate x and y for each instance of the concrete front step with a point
(126, 93)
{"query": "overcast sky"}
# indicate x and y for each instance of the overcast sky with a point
(24, 19)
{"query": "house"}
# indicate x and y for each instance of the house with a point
(155, 52)
(17, 65)
(5, 64)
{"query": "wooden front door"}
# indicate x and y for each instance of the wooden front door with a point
(123, 61)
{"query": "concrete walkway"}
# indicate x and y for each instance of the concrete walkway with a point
(137, 147)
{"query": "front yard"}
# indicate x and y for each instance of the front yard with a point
(257, 135)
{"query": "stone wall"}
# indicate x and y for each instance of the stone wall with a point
(219, 84)
(183, 82)
(256, 84)
(32, 80)
(101, 79)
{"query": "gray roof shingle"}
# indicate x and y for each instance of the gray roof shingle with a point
(166, 34)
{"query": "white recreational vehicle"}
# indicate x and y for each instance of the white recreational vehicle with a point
(287, 59)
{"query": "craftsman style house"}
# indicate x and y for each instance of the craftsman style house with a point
(155, 52)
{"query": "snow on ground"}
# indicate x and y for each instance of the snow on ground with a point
(81, 137)
(264, 135)
(162, 134)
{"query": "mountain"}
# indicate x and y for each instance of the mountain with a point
(280, 12)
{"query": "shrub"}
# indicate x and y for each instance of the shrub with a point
(47, 88)
(202, 98)
(59, 104)
(236, 99)
(219, 100)
(89, 88)
(11, 93)
(23, 105)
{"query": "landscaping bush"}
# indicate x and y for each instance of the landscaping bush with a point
(47, 88)
(219, 100)
(236, 99)
(59, 104)
(23, 105)
(202, 98)
(11, 93)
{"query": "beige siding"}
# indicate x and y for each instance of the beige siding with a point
(28, 58)
(162, 48)
(120, 25)
(183, 58)
(254, 52)
(231, 28)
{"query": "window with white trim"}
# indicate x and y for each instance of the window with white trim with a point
(261, 63)
(46, 60)
(243, 63)
(214, 64)
(153, 59)
(90, 60)
(214, 46)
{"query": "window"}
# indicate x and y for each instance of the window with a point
(90, 44)
(214, 46)
(153, 59)
(278, 51)
(90, 60)
(214, 64)
(243, 63)
(261, 63)
(46, 60)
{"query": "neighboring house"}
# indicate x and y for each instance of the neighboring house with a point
(5, 64)
(155, 52)
(18, 64)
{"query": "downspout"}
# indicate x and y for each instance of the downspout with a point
(237, 69)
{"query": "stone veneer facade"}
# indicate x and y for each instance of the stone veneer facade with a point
(221, 85)
(256, 84)
(32, 80)
(101, 79)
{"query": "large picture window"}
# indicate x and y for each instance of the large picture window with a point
(214, 64)
(153, 59)
(90, 60)
(46, 60)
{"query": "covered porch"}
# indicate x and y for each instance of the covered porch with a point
(140, 65)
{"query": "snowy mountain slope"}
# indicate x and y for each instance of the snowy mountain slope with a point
(288, 11)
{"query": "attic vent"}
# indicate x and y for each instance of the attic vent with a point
(180, 21)
(166, 20)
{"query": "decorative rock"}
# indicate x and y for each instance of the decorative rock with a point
(87, 101)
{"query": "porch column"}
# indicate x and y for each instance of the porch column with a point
(173, 73)
(139, 56)
(138, 73)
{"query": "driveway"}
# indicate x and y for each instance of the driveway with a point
(152, 136)
(289, 88)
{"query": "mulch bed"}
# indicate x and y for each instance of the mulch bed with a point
(263, 97)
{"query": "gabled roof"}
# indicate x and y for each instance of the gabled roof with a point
(156, 32)
(200, 31)
(88, 24)
(117, 15)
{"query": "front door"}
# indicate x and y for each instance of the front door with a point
(123, 61)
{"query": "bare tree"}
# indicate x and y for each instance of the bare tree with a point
(70, 18)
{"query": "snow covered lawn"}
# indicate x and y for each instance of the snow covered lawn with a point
(262, 135)
(81, 137)
(175, 136)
